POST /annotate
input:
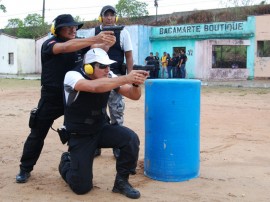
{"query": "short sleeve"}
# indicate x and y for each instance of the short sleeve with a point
(126, 41)
(71, 78)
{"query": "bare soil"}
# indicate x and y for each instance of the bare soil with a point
(234, 139)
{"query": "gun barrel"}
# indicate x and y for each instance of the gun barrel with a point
(113, 28)
(144, 67)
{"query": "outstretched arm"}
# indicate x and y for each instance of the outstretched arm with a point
(77, 44)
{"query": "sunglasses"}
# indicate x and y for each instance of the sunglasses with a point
(102, 66)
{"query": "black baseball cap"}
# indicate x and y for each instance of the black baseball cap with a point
(65, 20)
(107, 8)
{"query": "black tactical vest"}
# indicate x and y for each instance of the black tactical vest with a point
(115, 53)
(87, 114)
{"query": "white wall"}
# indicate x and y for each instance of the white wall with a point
(26, 56)
(8, 45)
(262, 64)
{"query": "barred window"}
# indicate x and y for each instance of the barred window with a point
(263, 48)
(11, 58)
(229, 56)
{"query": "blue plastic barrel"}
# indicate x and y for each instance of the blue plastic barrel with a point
(172, 129)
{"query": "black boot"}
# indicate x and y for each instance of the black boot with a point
(22, 177)
(61, 168)
(122, 186)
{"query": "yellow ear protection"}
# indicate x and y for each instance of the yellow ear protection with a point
(100, 18)
(88, 69)
(53, 28)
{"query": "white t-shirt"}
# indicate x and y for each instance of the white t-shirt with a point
(125, 41)
(71, 78)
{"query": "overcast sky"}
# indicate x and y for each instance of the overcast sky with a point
(90, 9)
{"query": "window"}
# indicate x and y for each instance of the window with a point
(11, 58)
(263, 48)
(229, 56)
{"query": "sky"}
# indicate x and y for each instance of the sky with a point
(90, 9)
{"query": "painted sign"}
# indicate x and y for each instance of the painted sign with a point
(242, 29)
(227, 27)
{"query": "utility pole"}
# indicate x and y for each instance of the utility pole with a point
(156, 5)
(43, 12)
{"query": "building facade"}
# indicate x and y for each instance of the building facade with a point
(17, 56)
(216, 51)
(219, 51)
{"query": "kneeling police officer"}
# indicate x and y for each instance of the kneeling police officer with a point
(87, 89)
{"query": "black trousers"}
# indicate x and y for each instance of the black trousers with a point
(78, 172)
(50, 108)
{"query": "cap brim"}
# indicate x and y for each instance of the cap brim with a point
(105, 61)
(70, 24)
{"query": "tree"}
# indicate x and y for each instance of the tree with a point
(31, 27)
(33, 20)
(131, 8)
(263, 3)
(14, 23)
(78, 19)
(2, 7)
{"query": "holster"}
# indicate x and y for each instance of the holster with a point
(33, 117)
(63, 134)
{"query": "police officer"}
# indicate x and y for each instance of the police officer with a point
(59, 54)
(119, 51)
(150, 60)
(87, 89)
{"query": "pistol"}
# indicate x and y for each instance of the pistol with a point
(144, 67)
(117, 28)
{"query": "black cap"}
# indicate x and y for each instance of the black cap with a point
(106, 8)
(65, 20)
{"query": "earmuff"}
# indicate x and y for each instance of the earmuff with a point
(53, 31)
(88, 69)
(100, 19)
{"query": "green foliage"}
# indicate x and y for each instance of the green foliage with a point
(131, 8)
(3, 8)
(14, 23)
(78, 19)
(33, 20)
(31, 27)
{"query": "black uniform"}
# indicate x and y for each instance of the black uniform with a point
(50, 106)
(87, 123)
(151, 61)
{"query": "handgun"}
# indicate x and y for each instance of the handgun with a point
(144, 67)
(117, 28)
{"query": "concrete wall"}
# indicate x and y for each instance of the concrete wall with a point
(26, 56)
(262, 64)
(8, 45)
(203, 65)
(139, 35)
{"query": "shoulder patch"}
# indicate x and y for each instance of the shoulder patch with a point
(53, 41)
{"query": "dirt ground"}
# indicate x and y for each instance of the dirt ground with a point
(234, 145)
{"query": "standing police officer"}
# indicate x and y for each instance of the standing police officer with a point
(119, 51)
(59, 54)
